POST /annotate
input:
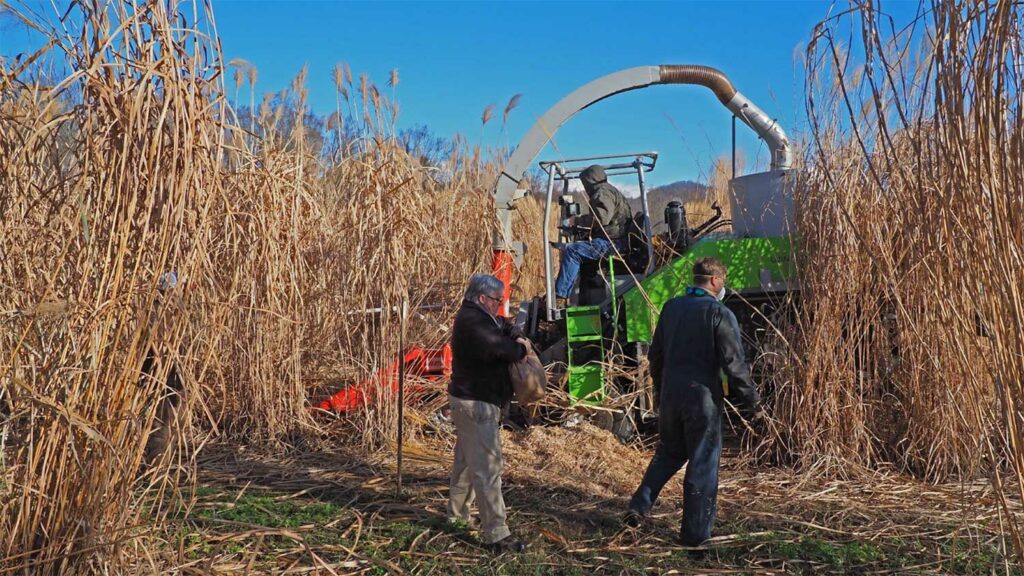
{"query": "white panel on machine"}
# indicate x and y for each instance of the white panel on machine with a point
(762, 204)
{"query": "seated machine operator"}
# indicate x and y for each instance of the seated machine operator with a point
(608, 223)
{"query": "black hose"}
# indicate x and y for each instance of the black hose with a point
(715, 226)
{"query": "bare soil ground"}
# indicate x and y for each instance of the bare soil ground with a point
(337, 512)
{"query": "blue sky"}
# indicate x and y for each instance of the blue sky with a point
(454, 58)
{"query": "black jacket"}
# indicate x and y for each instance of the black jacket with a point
(482, 348)
(696, 338)
(609, 212)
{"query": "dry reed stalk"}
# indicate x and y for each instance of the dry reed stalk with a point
(134, 165)
(105, 175)
(910, 222)
(718, 189)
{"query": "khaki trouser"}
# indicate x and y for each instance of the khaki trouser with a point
(476, 472)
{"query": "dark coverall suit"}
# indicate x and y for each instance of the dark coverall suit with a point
(696, 338)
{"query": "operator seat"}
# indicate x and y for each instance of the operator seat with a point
(631, 261)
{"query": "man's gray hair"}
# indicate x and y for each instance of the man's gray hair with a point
(483, 284)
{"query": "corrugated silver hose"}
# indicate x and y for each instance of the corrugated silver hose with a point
(741, 106)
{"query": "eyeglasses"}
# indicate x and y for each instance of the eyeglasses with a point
(498, 300)
(724, 279)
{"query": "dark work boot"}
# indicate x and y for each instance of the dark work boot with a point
(507, 544)
(695, 550)
(633, 518)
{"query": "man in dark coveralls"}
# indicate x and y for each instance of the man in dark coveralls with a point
(696, 338)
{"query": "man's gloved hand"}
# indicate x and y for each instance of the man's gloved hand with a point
(758, 421)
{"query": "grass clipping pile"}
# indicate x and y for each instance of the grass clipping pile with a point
(582, 457)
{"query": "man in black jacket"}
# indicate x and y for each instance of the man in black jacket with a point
(608, 222)
(483, 346)
(696, 338)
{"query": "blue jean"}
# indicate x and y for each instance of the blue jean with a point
(572, 256)
(690, 430)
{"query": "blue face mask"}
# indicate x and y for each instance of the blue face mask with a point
(721, 294)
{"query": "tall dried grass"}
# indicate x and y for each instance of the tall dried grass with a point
(908, 351)
(295, 243)
(291, 263)
(108, 176)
